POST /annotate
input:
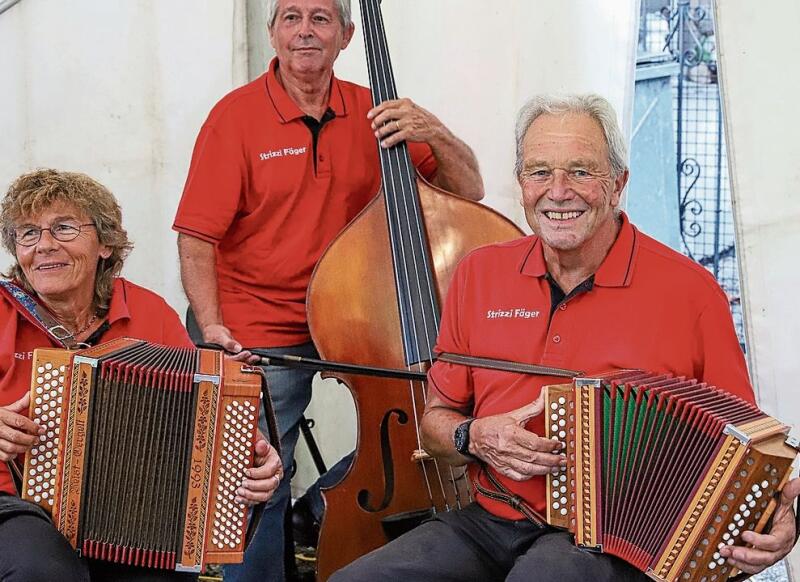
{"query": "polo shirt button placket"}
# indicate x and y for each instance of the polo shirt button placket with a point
(563, 307)
(556, 339)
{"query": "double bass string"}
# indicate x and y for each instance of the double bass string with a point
(410, 199)
(382, 78)
(382, 89)
(398, 160)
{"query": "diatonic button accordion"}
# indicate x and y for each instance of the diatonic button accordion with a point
(663, 471)
(145, 446)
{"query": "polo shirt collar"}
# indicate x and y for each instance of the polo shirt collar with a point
(616, 270)
(287, 109)
(118, 308)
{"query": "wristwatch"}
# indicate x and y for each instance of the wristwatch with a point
(461, 437)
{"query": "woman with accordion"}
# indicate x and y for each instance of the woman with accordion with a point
(65, 233)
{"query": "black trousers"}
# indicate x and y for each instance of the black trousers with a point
(32, 550)
(472, 544)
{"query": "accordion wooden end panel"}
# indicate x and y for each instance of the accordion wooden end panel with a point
(663, 472)
(144, 450)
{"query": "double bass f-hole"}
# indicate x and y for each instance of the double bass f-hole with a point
(387, 464)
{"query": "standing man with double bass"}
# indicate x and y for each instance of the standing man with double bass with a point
(280, 166)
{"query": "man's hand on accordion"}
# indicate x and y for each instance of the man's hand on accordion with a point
(17, 432)
(263, 479)
(770, 547)
(505, 445)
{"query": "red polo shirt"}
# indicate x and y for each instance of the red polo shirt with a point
(650, 308)
(134, 312)
(253, 190)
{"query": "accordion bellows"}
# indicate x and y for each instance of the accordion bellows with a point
(144, 450)
(663, 471)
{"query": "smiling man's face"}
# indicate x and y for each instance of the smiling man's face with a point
(569, 191)
(307, 36)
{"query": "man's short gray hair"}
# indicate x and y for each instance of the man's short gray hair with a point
(342, 6)
(595, 106)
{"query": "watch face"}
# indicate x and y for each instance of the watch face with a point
(461, 437)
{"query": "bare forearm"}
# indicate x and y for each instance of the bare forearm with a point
(199, 279)
(437, 428)
(458, 170)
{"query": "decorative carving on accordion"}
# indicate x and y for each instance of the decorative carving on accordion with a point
(145, 448)
(663, 472)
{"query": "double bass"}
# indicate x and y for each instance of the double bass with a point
(374, 300)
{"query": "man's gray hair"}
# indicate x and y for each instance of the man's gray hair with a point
(342, 6)
(595, 106)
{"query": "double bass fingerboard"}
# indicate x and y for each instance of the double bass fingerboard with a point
(416, 291)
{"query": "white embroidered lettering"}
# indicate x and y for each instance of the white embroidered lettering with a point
(516, 313)
(290, 151)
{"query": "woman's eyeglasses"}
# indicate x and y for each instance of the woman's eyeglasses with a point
(27, 236)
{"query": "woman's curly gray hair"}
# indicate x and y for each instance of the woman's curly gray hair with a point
(33, 193)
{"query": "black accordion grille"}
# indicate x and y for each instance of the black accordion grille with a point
(139, 442)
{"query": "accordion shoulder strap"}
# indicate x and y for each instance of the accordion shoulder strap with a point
(502, 494)
(497, 490)
(506, 365)
(38, 315)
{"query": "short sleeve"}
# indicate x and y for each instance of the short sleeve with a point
(214, 185)
(720, 357)
(423, 159)
(452, 382)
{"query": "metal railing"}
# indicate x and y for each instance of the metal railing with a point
(682, 31)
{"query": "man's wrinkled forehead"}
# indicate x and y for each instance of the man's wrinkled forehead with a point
(564, 139)
(328, 6)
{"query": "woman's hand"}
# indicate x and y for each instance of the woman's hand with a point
(263, 478)
(17, 432)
